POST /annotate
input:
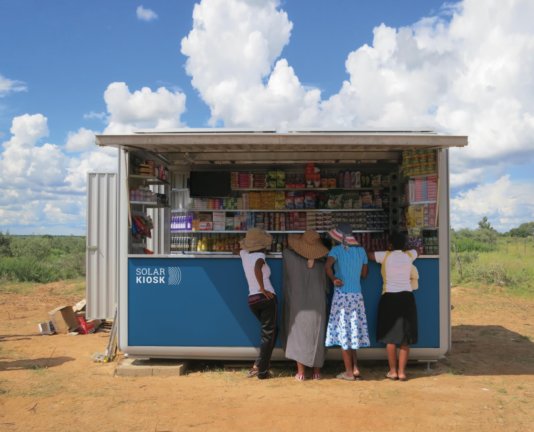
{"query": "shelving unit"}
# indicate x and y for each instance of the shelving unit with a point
(278, 220)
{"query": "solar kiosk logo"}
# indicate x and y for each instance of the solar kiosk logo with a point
(171, 276)
(175, 275)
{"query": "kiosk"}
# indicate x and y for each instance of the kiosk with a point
(186, 198)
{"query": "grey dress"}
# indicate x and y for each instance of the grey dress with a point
(304, 311)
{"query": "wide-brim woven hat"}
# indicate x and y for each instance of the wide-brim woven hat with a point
(343, 234)
(307, 245)
(256, 239)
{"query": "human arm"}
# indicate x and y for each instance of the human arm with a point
(259, 277)
(330, 272)
(364, 272)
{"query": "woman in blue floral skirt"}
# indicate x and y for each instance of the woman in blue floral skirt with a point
(347, 325)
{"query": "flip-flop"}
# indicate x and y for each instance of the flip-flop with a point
(392, 377)
(403, 379)
(342, 376)
(300, 377)
(317, 376)
(252, 373)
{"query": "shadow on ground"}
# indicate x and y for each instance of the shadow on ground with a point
(37, 363)
(476, 350)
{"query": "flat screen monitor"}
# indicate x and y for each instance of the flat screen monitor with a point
(209, 184)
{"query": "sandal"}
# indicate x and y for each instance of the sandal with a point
(300, 377)
(317, 376)
(343, 376)
(252, 373)
(392, 377)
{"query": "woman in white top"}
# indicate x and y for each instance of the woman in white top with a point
(261, 298)
(397, 312)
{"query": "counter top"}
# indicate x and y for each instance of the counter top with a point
(218, 255)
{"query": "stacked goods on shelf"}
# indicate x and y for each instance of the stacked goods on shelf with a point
(275, 179)
(430, 242)
(421, 216)
(149, 168)
(291, 200)
(182, 242)
(422, 189)
(419, 162)
(141, 226)
(295, 181)
(181, 222)
(144, 195)
(312, 178)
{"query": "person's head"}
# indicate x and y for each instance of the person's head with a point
(256, 240)
(343, 234)
(398, 241)
(308, 245)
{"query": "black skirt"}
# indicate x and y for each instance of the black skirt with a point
(397, 319)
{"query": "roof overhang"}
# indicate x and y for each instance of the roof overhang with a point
(231, 146)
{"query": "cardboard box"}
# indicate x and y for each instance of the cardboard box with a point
(46, 328)
(64, 319)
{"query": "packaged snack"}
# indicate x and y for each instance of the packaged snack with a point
(280, 179)
(309, 199)
(299, 200)
(290, 200)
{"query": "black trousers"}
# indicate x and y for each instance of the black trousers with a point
(266, 312)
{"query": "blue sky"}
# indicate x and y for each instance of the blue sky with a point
(71, 69)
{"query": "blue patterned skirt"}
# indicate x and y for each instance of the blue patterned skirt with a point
(347, 324)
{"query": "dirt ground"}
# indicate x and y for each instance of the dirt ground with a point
(50, 383)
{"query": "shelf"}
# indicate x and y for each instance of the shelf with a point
(269, 231)
(370, 188)
(421, 202)
(276, 211)
(150, 204)
(149, 179)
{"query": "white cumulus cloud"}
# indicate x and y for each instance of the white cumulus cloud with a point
(142, 109)
(10, 86)
(82, 140)
(232, 51)
(145, 14)
(505, 203)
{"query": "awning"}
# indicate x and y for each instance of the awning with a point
(222, 146)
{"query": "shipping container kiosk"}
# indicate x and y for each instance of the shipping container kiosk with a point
(185, 198)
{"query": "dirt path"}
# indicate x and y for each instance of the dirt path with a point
(49, 383)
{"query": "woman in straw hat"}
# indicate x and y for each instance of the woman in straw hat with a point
(261, 298)
(347, 325)
(305, 287)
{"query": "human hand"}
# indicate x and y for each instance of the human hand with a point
(338, 282)
(267, 294)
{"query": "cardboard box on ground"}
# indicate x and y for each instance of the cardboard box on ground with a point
(67, 319)
(64, 319)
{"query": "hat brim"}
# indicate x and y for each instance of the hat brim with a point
(313, 251)
(255, 245)
(338, 236)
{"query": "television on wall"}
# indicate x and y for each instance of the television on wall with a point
(209, 184)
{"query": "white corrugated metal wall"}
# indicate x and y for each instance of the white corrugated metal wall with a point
(102, 241)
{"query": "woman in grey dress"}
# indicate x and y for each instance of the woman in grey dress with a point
(305, 315)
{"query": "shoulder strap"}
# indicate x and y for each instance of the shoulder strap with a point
(383, 271)
(409, 254)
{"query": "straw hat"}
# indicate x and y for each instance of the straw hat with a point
(256, 239)
(308, 245)
(343, 234)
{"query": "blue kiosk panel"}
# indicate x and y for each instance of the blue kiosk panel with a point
(203, 302)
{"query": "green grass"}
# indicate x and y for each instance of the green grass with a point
(70, 288)
(509, 268)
